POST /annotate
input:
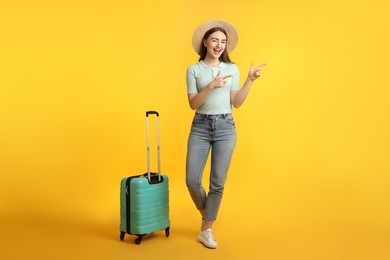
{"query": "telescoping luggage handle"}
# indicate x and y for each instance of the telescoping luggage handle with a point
(148, 142)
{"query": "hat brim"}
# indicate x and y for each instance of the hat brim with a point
(232, 35)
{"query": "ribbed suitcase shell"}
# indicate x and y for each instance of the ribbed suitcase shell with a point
(148, 206)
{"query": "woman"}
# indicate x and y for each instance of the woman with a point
(213, 86)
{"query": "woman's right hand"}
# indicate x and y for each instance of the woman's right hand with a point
(219, 81)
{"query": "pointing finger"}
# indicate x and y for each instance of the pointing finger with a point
(258, 68)
(227, 76)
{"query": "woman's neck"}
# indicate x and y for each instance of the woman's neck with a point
(211, 62)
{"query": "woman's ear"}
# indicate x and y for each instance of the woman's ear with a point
(204, 43)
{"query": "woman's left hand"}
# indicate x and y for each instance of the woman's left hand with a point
(254, 72)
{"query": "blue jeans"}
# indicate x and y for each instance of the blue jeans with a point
(218, 134)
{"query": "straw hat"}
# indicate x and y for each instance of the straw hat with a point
(232, 35)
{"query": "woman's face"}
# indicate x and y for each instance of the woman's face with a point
(215, 44)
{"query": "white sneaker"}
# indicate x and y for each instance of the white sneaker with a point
(206, 237)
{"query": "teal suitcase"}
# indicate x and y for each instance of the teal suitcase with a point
(144, 199)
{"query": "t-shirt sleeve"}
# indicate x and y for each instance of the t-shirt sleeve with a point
(235, 78)
(191, 81)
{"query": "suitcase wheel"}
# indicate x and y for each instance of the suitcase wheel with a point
(167, 232)
(122, 236)
(139, 239)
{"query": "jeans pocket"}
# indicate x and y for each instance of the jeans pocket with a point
(198, 121)
(229, 120)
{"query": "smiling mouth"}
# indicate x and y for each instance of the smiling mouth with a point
(217, 51)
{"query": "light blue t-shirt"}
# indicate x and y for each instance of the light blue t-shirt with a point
(200, 75)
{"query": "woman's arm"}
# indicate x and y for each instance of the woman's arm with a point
(196, 100)
(237, 97)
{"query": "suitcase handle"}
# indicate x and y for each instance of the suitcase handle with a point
(151, 113)
(148, 142)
